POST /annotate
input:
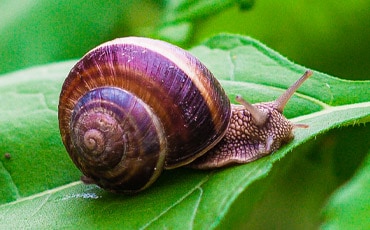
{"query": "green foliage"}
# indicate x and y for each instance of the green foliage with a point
(328, 35)
(33, 32)
(348, 208)
(43, 184)
(40, 186)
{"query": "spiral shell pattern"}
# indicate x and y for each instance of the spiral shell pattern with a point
(117, 136)
(133, 106)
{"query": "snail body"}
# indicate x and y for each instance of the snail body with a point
(134, 106)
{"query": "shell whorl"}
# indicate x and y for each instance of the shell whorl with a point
(191, 109)
(108, 129)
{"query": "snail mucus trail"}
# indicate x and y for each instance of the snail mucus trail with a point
(134, 106)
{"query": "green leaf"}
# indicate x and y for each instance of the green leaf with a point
(34, 32)
(179, 17)
(188, 10)
(40, 187)
(29, 133)
(349, 207)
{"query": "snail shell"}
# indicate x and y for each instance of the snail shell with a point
(133, 106)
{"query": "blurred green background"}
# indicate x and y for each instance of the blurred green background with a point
(329, 36)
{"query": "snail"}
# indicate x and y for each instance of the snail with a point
(132, 107)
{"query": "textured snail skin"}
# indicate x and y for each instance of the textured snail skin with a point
(133, 106)
(255, 131)
(245, 141)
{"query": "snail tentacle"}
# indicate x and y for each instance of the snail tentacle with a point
(255, 131)
(133, 107)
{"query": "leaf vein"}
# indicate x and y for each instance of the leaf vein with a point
(196, 207)
(10, 182)
(47, 192)
(329, 110)
(182, 198)
(45, 200)
(255, 175)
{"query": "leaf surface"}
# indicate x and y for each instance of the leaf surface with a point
(349, 207)
(40, 186)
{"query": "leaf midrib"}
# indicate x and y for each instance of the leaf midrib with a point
(330, 109)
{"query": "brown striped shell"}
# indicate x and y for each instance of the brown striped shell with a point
(133, 106)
